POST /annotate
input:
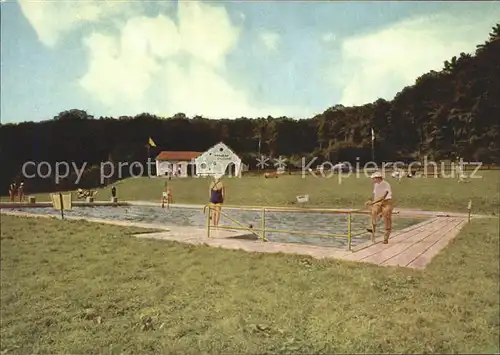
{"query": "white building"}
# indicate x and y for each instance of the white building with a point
(217, 161)
(180, 164)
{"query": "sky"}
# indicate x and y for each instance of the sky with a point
(223, 59)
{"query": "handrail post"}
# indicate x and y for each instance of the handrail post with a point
(208, 220)
(263, 224)
(62, 205)
(373, 227)
(349, 236)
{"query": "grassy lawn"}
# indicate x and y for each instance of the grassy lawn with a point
(77, 287)
(351, 192)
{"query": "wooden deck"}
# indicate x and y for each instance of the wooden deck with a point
(412, 247)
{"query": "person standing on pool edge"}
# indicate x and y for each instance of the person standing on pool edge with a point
(20, 192)
(381, 204)
(217, 194)
(12, 192)
(166, 196)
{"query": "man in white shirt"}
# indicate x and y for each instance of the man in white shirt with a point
(381, 204)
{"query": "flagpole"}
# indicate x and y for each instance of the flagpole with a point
(373, 145)
(149, 154)
(258, 166)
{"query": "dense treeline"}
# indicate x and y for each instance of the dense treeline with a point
(454, 112)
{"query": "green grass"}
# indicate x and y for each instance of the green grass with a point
(423, 193)
(209, 300)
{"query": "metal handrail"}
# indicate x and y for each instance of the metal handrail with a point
(263, 229)
(296, 209)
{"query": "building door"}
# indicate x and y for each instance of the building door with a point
(191, 169)
(230, 170)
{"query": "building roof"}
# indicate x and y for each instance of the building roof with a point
(177, 156)
(222, 146)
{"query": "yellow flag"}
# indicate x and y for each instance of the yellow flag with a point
(151, 142)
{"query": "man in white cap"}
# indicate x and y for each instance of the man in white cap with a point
(381, 204)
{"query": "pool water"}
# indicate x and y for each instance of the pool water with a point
(299, 222)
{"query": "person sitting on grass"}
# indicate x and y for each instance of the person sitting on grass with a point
(381, 206)
(84, 194)
(216, 197)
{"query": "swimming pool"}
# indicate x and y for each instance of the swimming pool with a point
(194, 217)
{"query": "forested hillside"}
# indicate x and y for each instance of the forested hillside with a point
(453, 112)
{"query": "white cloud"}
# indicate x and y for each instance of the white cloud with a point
(53, 19)
(122, 69)
(156, 64)
(270, 40)
(214, 96)
(182, 61)
(382, 63)
(206, 31)
(329, 37)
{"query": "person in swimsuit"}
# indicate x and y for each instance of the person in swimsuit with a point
(166, 196)
(217, 195)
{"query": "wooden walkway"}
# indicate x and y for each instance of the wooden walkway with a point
(413, 247)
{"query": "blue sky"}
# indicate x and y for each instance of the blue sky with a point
(223, 59)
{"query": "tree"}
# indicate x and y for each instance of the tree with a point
(73, 115)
